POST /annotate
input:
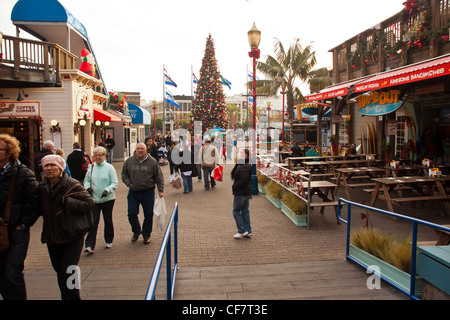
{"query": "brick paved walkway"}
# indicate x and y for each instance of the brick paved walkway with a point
(206, 229)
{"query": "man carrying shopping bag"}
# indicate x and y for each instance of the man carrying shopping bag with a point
(140, 173)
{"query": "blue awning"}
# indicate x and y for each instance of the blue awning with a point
(138, 115)
(45, 11)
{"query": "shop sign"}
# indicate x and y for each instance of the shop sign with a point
(19, 109)
(379, 103)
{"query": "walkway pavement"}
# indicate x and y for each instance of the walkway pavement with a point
(280, 261)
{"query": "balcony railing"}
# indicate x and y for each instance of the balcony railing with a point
(392, 43)
(24, 56)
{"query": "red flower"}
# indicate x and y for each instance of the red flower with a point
(445, 38)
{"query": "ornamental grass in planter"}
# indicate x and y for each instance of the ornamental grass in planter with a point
(274, 193)
(294, 208)
(262, 182)
(393, 258)
(384, 247)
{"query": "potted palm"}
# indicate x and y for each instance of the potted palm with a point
(393, 258)
(274, 193)
(295, 209)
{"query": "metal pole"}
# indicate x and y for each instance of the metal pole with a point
(282, 117)
(254, 177)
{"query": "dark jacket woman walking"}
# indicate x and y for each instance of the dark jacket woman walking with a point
(242, 191)
(64, 249)
(20, 181)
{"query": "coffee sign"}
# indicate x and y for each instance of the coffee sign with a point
(379, 103)
(19, 109)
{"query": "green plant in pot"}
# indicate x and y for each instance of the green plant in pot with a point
(384, 247)
(275, 190)
(295, 204)
(262, 179)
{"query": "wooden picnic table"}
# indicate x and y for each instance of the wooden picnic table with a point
(417, 183)
(324, 190)
(348, 163)
(318, 167)
(404, 171)
(348, 174)
(292, 161)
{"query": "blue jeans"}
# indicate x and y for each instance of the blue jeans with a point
(12, 281)
(241, 213)
(109, 156)
(207, 177)
(146, 198)
(187, 183)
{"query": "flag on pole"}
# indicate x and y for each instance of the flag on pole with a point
(168, 80)
(195, 80)
(251, 76)
(225, 81)
(170, 99)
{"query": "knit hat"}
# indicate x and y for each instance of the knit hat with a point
(54, 159)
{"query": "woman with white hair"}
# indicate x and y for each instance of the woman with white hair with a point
(101, 182)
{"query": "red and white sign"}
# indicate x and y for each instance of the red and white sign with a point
(424, 71)
(19, 109)
(327, 95)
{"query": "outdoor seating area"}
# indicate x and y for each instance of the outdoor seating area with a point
(317, 179)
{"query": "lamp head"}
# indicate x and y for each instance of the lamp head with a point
(254, 37)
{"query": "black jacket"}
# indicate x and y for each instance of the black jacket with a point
(186, 165)
(53, 206)
(296, 151)
(242, 176)
(37, 163)
(24, 209)
(76, 164)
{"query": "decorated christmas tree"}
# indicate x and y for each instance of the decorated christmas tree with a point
(209, 105)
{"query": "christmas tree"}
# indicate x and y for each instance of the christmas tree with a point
(209, 105)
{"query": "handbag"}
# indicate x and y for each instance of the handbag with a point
(176, 182)
(4, 222)
(76, 224)
(217, 173)
(194, 171)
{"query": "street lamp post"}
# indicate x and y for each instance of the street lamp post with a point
(154, 115)
(268, 114)
(282, 122)
(254, 38)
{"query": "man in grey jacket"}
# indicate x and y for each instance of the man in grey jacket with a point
(140, 173)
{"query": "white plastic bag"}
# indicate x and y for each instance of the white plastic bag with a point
(160, 211)
(173, 176)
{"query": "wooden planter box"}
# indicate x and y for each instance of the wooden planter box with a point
(275, 202)
(299, 221)
(261, 189)
(387, 271)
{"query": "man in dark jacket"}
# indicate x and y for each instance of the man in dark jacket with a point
(296, 151)
(24, 213)
(77, 162)
(47, 148)
(242, 191)
(140, 173)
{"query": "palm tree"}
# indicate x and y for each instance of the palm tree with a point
(285, 71)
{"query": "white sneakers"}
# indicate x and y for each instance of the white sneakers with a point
(91, 251)
(240, 235)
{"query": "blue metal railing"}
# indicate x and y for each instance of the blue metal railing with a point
(166, 246)
(415, 223)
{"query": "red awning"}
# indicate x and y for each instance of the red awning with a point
(434, 68)
(103, 115)
(334, 91)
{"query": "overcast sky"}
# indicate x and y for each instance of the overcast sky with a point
(133, 39)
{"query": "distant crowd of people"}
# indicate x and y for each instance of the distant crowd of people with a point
(84, 189)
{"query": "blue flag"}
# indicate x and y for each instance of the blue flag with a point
(168, 80)
(170, 99)
(225, 82)
(194, 78)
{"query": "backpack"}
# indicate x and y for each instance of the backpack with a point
(85, 162)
